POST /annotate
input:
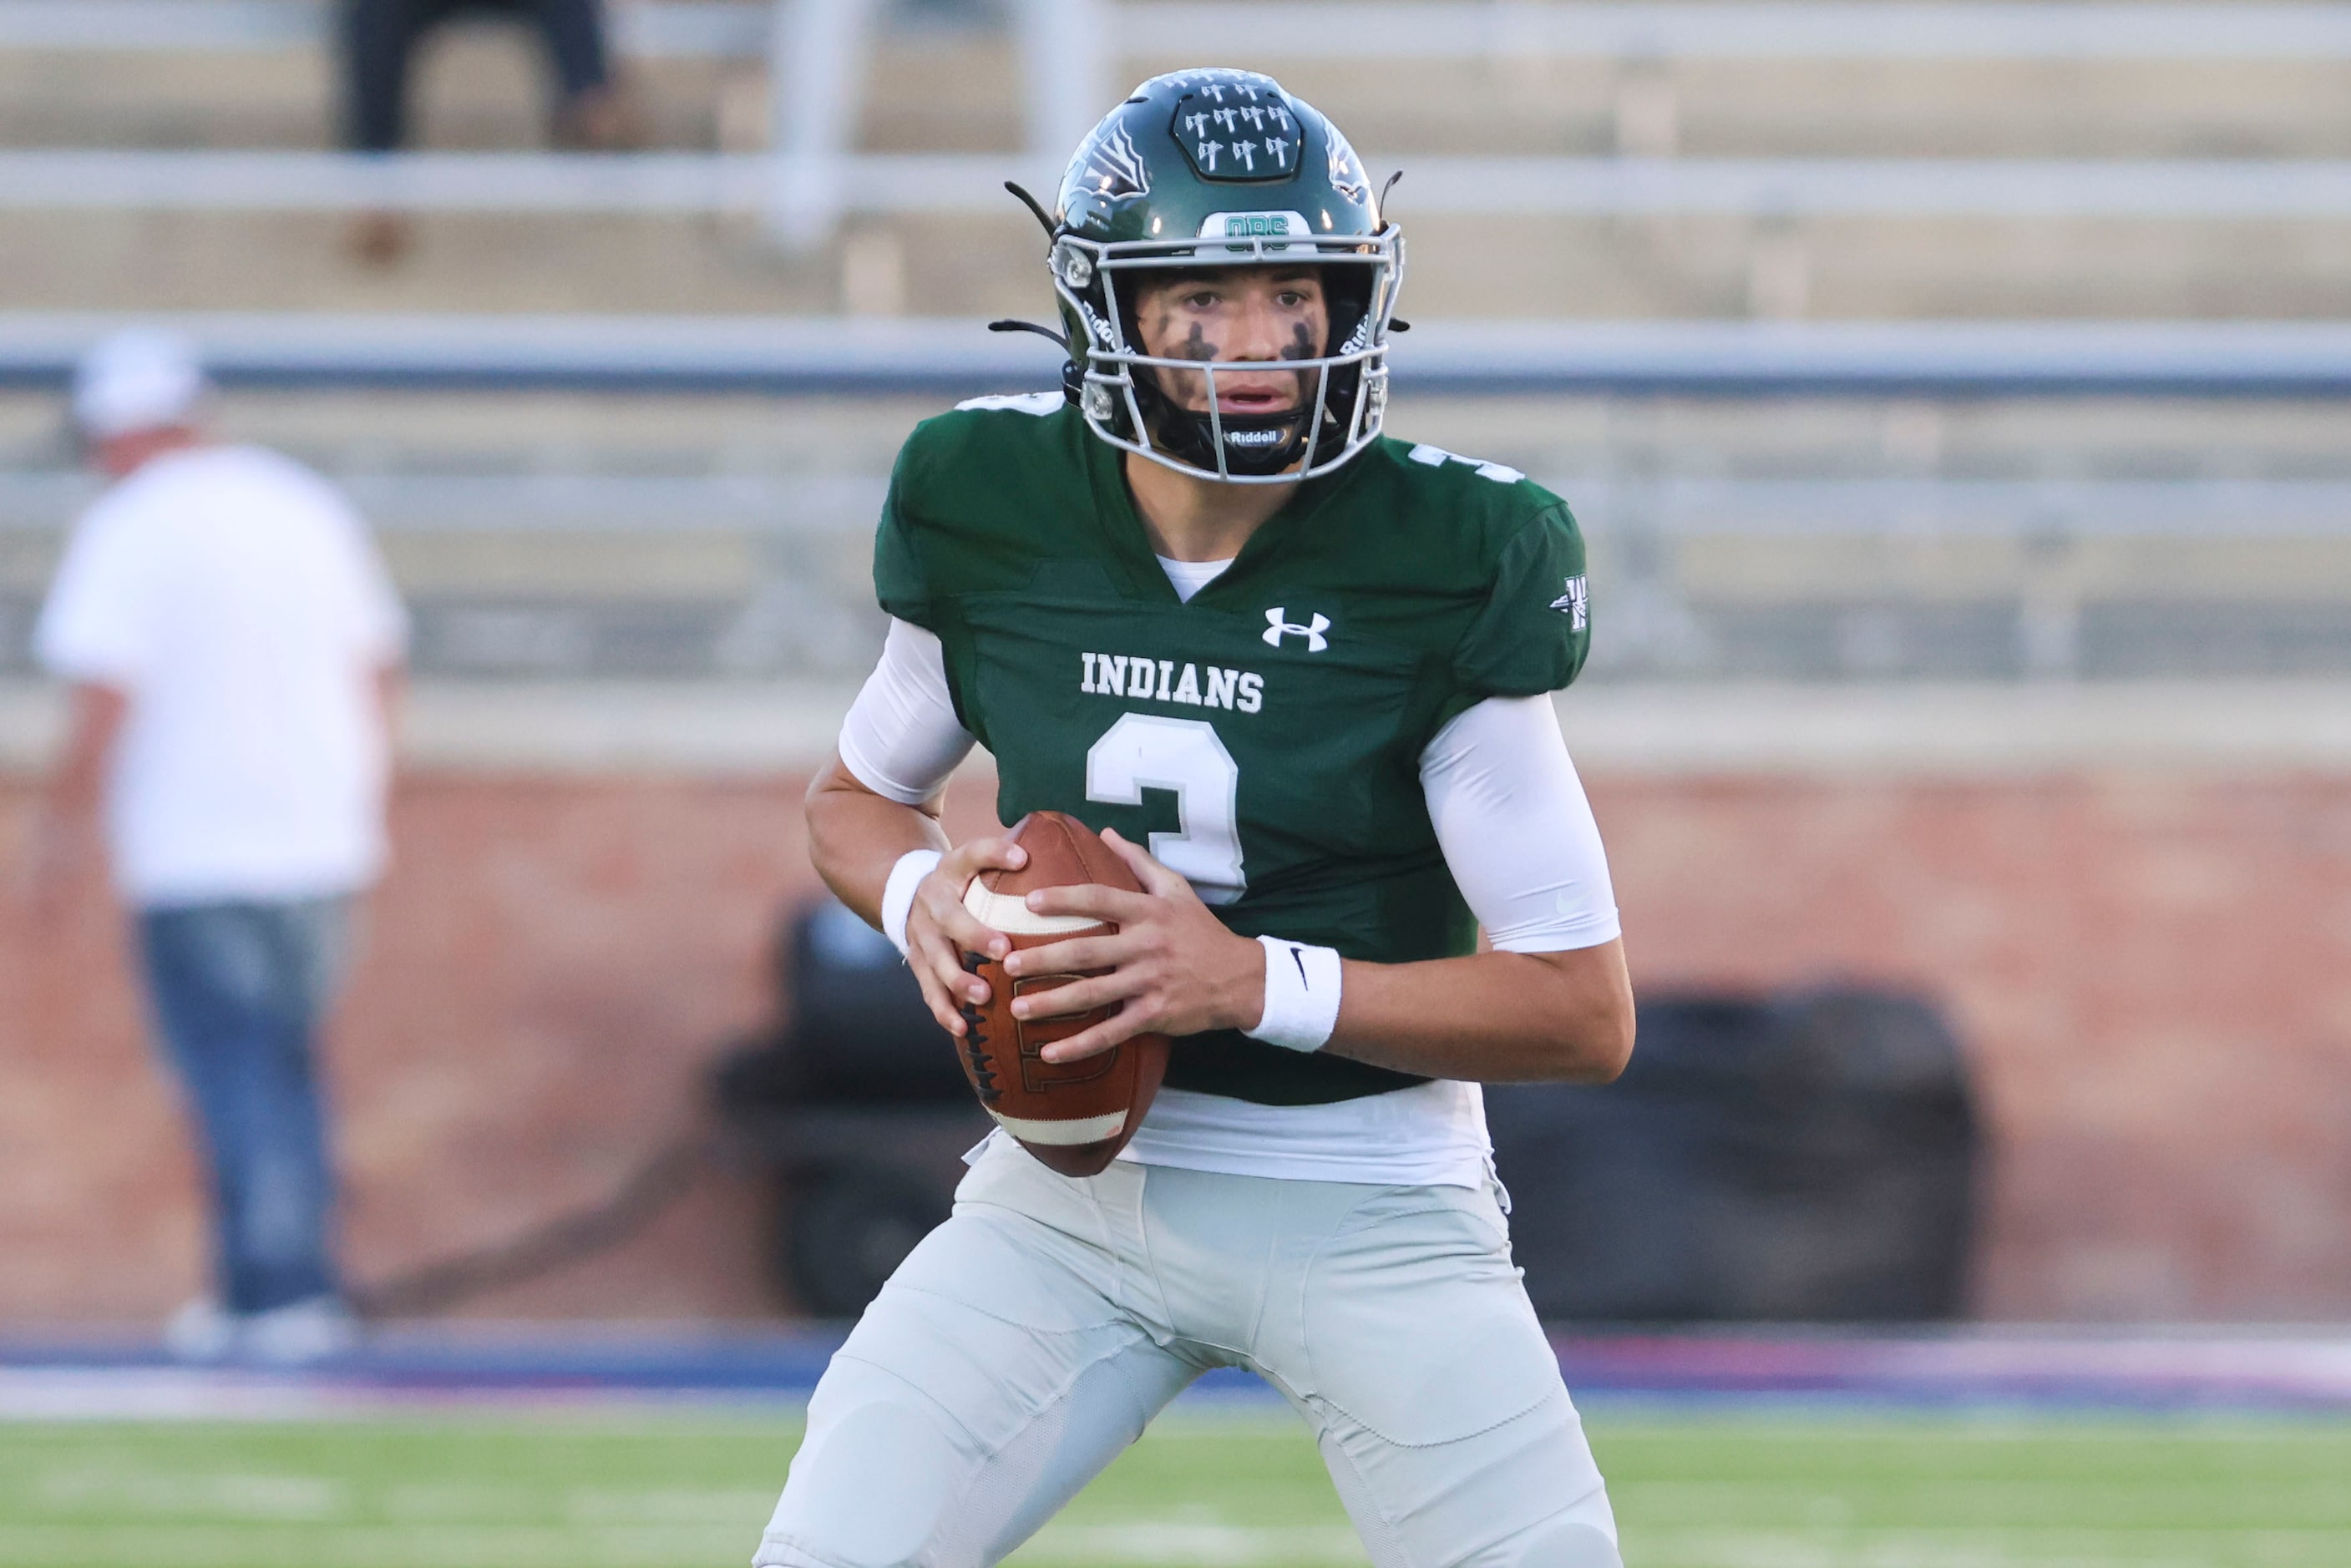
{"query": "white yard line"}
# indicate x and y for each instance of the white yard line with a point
(1210, 1545)
(152, 1393)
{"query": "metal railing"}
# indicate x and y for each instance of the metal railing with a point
(689, 30)
(812, 355)
(1824, 29)
(814, 191)
(1674, 505)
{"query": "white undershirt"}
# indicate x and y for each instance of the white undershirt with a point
(1517, 833)
(1190, 576)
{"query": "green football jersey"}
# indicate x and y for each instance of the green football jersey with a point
(1264, 739)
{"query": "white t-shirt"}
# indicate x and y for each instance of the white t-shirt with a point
(237, 599)
(1518, 835)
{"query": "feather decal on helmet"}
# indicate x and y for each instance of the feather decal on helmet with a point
(1115, 168)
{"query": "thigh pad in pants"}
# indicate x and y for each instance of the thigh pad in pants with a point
(990, 1380)
(1435, 1396)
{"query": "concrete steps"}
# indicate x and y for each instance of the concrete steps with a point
(954, 88)
(946, 89)
(1828, 268)
(699, 537)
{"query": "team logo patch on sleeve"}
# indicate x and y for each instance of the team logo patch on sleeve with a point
(1575, 604)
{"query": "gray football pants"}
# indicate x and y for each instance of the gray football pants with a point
(1030, 1339)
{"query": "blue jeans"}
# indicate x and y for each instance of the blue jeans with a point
(238, 990)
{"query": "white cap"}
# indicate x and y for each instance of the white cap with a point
(139, 378)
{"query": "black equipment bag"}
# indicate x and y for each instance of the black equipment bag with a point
(1811, 1157)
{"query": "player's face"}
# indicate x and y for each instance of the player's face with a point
(1240, 314)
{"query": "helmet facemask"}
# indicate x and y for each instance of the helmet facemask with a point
(1343, 387)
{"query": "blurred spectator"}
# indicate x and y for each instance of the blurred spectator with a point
(234, 648)
(379, 37)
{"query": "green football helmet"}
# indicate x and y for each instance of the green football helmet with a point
(1218, 168)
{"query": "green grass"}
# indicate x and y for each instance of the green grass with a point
(682, 1491)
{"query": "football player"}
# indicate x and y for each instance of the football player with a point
(1297, 674)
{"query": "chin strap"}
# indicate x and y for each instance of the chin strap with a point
(1192, 437)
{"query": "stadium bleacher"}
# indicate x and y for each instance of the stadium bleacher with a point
(2095, 185)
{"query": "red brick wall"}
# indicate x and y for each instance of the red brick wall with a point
(2154, 972)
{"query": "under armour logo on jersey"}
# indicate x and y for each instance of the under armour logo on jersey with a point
(1575, 604)
(1276, 628)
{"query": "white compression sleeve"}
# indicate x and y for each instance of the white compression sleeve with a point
(902, 738)
(900, 741)
(1516, 828)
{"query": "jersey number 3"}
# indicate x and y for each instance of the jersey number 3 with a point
(1143, 751)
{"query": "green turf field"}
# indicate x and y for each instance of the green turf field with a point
(682, 1491)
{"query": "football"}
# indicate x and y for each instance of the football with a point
(1075, 1116)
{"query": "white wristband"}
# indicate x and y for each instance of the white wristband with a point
(1302, 995)
(898, 893)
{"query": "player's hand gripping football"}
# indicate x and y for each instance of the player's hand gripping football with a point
(940, 930)
(1175, 968)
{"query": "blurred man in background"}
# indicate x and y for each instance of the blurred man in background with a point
(234, 647)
